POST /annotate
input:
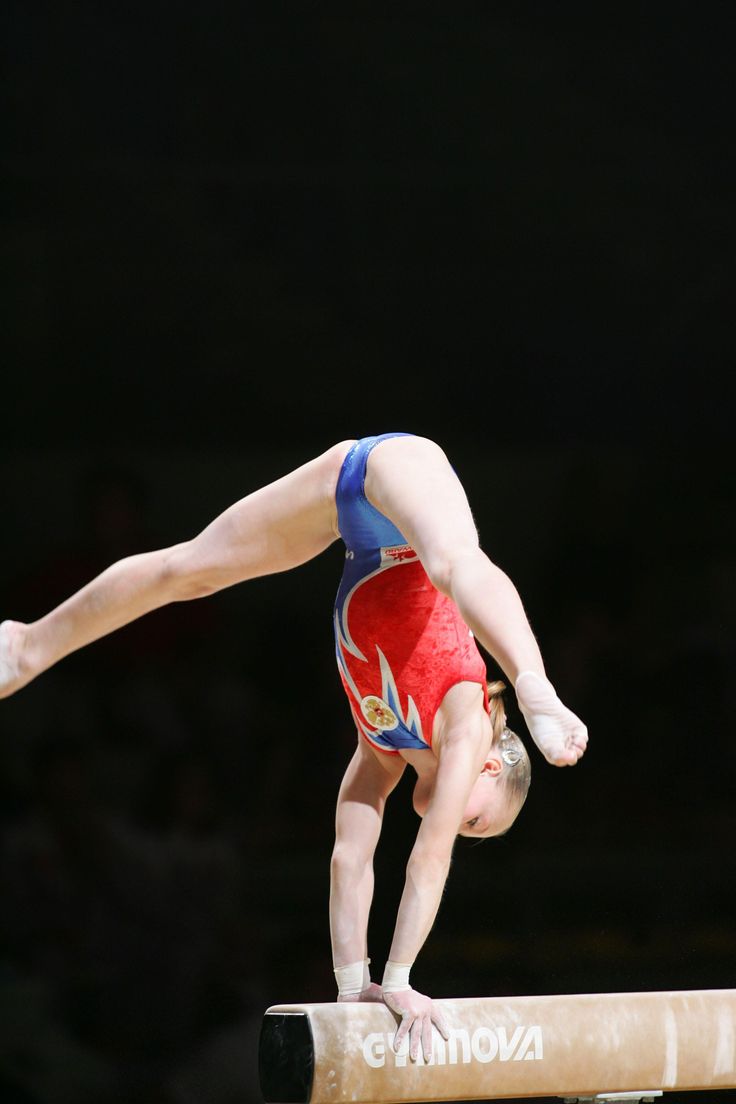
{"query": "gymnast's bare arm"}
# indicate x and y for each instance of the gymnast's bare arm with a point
(274, 529)
(367, 783)
(460, 756)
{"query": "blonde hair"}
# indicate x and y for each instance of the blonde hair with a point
(517, 768)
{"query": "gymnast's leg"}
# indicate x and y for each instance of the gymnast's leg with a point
(274, 529)
(411, 481)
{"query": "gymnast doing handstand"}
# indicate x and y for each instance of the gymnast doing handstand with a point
(416, 592)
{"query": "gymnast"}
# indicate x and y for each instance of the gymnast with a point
(415, 593)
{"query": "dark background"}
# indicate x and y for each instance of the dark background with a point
(234, 234)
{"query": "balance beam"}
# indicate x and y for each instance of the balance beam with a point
(568, 1046)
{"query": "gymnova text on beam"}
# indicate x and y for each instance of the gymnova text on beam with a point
(484, 1045)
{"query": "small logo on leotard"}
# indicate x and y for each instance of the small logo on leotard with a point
(398, 554)
(378, 714)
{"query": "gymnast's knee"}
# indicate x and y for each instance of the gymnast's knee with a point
(445, 564)
(183, 575)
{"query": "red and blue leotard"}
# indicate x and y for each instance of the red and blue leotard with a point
(400, 643)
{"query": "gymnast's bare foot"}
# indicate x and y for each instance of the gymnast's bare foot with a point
(560, 736)
(14, 672)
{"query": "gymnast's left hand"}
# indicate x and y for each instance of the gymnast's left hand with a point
(418, 1013)
(372, 993)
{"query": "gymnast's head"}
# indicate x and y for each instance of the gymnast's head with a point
(500, 791)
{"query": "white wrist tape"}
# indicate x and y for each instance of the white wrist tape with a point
(353, 978)
(396, 977)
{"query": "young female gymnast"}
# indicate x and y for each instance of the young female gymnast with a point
(415, 590)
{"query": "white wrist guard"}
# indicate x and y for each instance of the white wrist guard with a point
(396, 977)
(353, 978)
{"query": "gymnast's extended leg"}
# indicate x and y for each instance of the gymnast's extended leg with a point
(411, 481)
(276, 528)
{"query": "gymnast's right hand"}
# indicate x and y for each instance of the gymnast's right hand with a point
(418, 1013)
(13, 669)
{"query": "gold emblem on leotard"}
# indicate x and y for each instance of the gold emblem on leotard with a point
(377, 713)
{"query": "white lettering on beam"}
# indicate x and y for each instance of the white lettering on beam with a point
(484, 1045)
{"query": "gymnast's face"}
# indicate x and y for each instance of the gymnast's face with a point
(488, 811)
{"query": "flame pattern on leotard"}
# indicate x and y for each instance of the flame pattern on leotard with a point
(377, 707)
